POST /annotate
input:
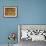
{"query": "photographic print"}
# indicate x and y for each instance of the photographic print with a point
(10, 11)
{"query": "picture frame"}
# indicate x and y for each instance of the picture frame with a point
(10, 11)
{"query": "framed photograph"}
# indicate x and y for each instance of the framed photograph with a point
(10, 11)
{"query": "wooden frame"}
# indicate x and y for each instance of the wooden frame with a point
(10, 11)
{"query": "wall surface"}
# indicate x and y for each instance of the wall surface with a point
(29, 12)
(7, 25)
